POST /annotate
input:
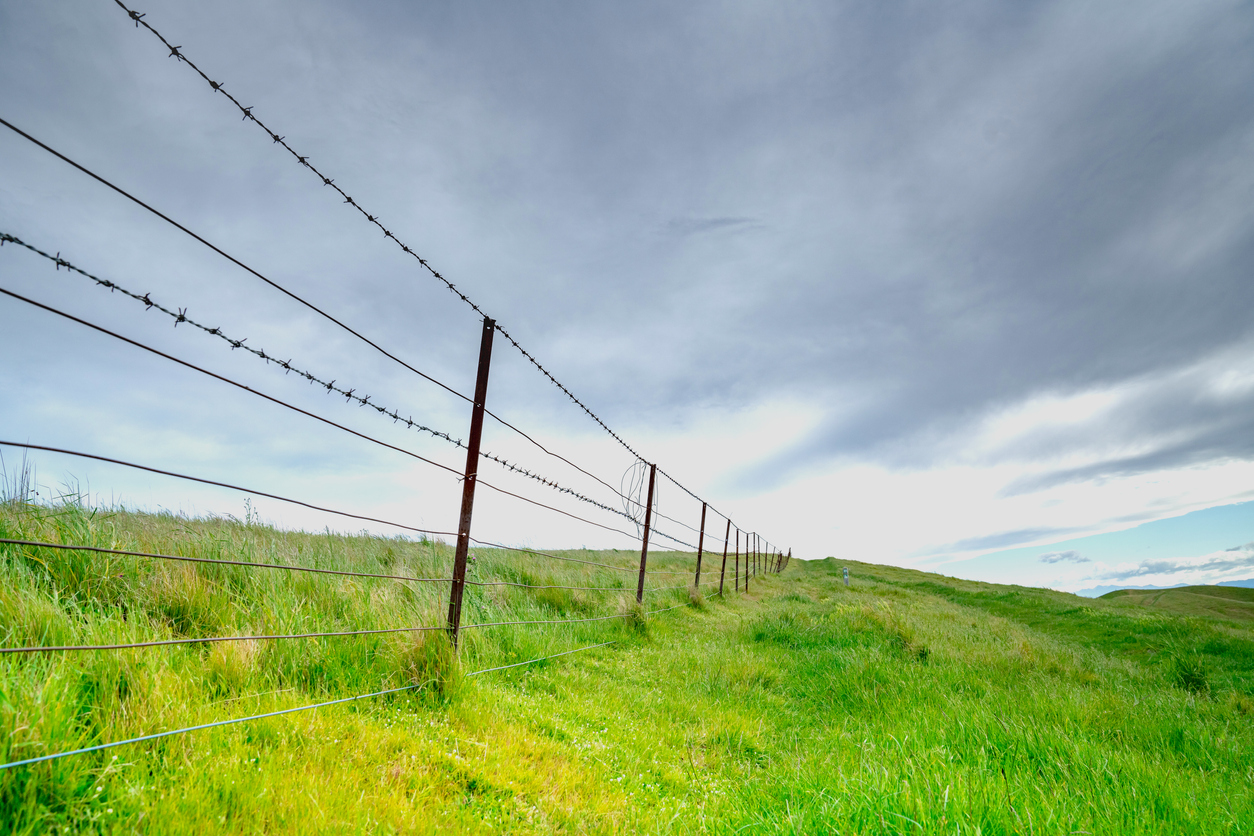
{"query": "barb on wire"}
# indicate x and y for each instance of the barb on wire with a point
(236, 384)
(549, 507)
(300, 300)
(247, 114)
(127, 553)
(180, 315)
(232, 259)
(305, 412)
(209, 640)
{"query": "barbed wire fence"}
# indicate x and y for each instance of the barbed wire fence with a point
(634, 504)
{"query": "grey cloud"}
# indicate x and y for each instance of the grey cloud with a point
(1069, 556)
(695, 226)
(1243, 560)
(953, 208)
(1004, 539)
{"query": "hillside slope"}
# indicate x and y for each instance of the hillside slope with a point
(1232, 603)
(905, 703)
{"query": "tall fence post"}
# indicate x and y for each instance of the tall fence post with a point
(700, 547)
(644, 545)
(737, 575)
(468, 484)
(787, 560)
(748, 554)
(722, 573)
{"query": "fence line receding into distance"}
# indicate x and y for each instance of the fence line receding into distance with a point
(641, 511)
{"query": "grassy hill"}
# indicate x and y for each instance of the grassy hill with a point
(905, 703)
(1228, 602)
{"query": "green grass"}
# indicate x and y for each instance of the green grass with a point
(1232, 603)
(906, 703)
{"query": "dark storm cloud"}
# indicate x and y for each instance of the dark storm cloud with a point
(910, 216)
(1104, 235)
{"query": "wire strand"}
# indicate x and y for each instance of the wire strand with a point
(229, 486)
(158, 735)
(228, 380)
(127, 553)
(211, 639)
(557, 621)
(180, 316)
(541, 659)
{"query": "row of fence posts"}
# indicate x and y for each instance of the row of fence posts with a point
(778, 560)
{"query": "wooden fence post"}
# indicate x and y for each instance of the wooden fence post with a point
(644, 544)
(737, 575)
(723, 572)
(700, 547)
(458, 586)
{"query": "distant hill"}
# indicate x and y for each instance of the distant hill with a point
(1099, 591)
(1235, 603)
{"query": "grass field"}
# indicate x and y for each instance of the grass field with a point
(906, 703)
(1233, 603)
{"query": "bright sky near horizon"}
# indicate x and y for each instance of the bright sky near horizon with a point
(962, 286)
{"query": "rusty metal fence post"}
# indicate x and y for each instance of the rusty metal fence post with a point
(458, 587)
(644, 544)
(700, 547)
(722, 573)
(748, 556)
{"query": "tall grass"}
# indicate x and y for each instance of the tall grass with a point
(906, 703)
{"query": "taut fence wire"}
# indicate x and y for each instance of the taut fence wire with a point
(513, 573)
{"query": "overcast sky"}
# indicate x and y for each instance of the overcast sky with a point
(904, 283)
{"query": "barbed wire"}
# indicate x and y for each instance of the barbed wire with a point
(293, 296)
(247, 113)
(303, 504)
(179, 315)
(305, 412)
(234, 383)
(218, 561)
(347, 328)
(234, 260)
